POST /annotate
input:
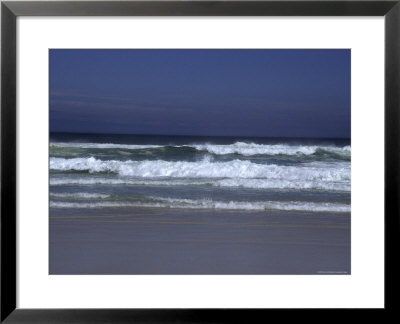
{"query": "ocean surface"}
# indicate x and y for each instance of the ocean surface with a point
(232, 173)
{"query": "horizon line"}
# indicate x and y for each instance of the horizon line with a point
(184, 135)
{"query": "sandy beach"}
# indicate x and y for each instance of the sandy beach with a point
(182, 241)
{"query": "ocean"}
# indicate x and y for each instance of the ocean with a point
(197, 172)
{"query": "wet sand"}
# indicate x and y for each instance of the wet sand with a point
(179, 241)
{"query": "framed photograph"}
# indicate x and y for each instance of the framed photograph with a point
(194, 161)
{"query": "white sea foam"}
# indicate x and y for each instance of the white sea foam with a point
(57, 181)
(236, 173)
(283, 184)
(84, 195)
(210, 204)
(249, 149)
(205, 169)
(103, 145)
(223, 183)
(245, 149)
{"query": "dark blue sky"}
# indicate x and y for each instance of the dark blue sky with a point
(277, 93)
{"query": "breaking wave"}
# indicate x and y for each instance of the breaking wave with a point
(79, 195)
(239, 148)
(223, 183)
(210, 204)
(237, 169)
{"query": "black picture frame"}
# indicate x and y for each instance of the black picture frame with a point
(10, 10)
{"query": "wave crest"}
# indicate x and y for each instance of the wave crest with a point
(239, 148)
(210, 204)
(204, 169)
